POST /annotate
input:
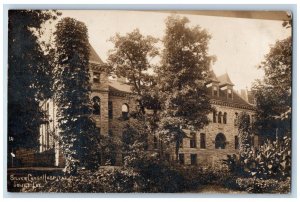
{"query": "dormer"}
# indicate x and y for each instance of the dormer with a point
(98, 77)
(213, 83)
(226, 85)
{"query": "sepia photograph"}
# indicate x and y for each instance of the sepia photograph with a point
(153, 101)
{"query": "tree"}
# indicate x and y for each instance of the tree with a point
(182, 79)
(78, 133)
(29, 76)
(273, 93)
(131, 59)
(245, 130)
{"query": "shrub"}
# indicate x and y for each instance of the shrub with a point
(156, 175)
(271, 160)
(255, 185)
(103, 180)
(197, 176)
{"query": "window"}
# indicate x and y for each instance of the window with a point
(96, 77)
(252, 120)
(229, 93)
(236, 119)
(193, 140)
(181, 159)
(155, 143)
(96, 105)
(214, 117)
(193, 159)
(110, 109)
(47, 109)
(181, 143)
(236, 142)
(125, 111)
(47, 135)
(220, 117)
(202, 141)
(248, 119)
(220, 141)
(225, 118)
(215, 91)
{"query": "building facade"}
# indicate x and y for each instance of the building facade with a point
(221, 136)
(113, 100)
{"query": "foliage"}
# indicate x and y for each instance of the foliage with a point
(159, 176)
(245, 130)
(181, 80)
(78, 133)
(131, 57)
(109, 148)
(271, 161)
(273, 93)
(198, 176)
(29, 75)
(255, 185)
(104, 180)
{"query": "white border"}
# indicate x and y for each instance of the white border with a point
(159, 4)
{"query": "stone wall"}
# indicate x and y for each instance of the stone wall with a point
(210, 155)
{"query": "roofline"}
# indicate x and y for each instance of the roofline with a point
(235, 105)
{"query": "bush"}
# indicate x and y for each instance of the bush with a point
(255, 185)
(156, 175)
(197, 176)
(103, 180)
(271, 161)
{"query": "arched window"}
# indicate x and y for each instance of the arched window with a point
(125, 111)
(236, 119)
(225, 118)
(248, 119)
(96, 77)
(220, 117)
(220, 141)
(193, 140)
(96, 105)
(252, 120)
(214, 117)
(202, 141)
(236, 142)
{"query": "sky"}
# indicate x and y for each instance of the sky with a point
(239, 44)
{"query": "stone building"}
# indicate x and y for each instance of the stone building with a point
(220, 137)
(112, 101)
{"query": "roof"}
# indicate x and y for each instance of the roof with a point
(115, 85)
(243, 94)
(213, 76)
(94, 57)
(225, 80)
(236, 101)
